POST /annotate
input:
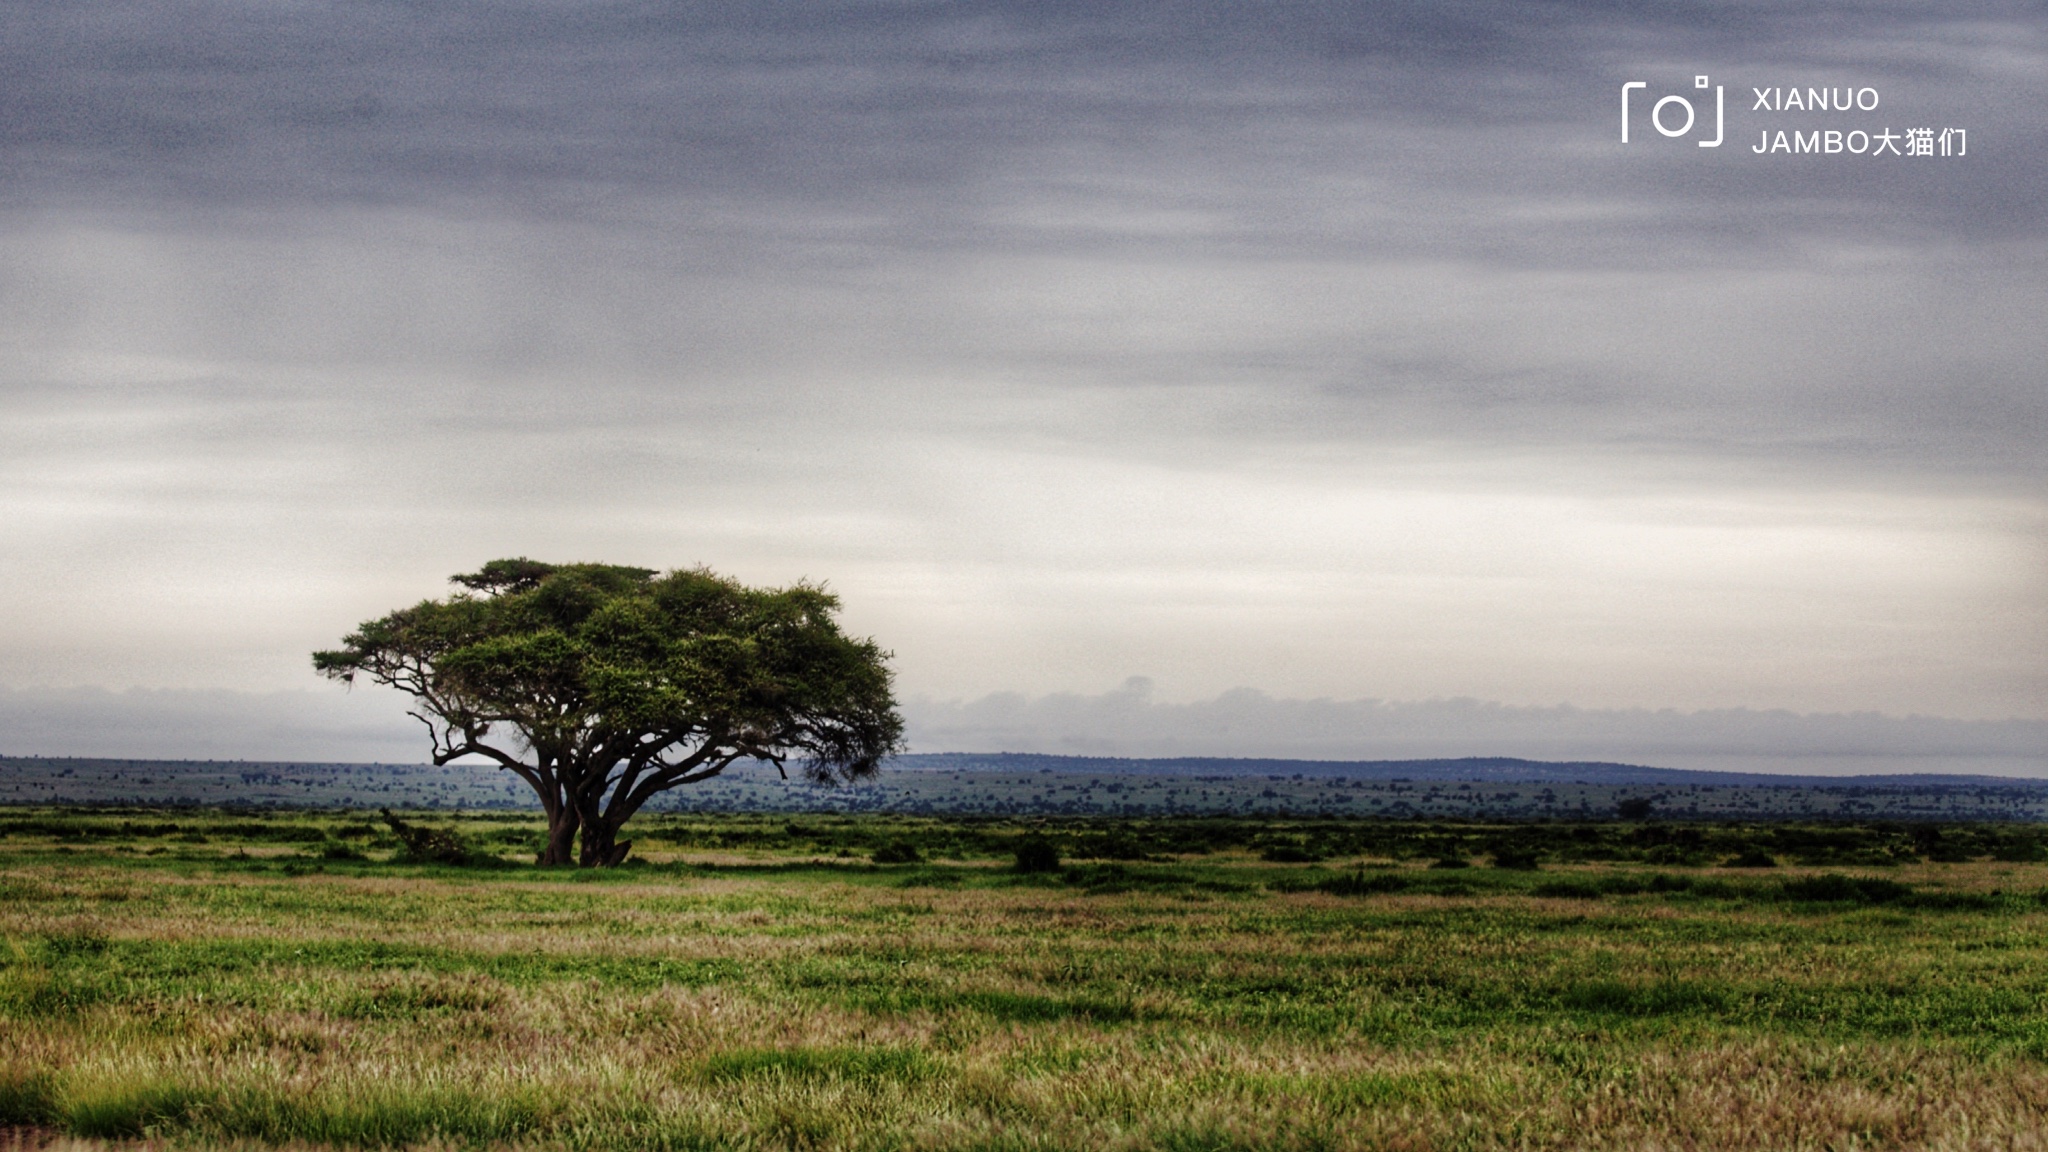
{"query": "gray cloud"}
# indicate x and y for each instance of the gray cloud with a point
(1338, 349)
(209, 725)
(924, 115)
(1127, 722)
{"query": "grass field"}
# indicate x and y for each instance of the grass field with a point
(219, 979)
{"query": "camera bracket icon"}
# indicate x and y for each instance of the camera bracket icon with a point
(1678, 105)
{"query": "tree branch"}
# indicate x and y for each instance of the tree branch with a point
(530, 773)
(619, 811)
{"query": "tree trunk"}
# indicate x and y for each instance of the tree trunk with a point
(561, 847)
(601, 848)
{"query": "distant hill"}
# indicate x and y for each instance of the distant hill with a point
(1474, 769)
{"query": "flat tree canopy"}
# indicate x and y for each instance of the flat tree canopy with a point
(601, 686)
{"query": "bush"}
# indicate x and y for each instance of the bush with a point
(1360, 884)
(1635, 884)
(1115, 846)
(1037, 855)
(1752, 858)
(429, 845)
(1451, 862)
(1835, 888)
(27, 1097)
(899, 852)
(1516, 860)
(1957, 901)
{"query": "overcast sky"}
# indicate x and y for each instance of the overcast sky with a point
(1331, 351)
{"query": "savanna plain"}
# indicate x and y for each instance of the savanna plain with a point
(185, 978)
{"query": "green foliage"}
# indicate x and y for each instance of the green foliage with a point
(1643, 998)
(1036, 854)
(206, 833)
(28, 1096)
(1835, 888)
(602, 686)
(1110, 878)
(118, 1111)
(1516, 860)
(898, 852)
(570, 654)
(1364, 884)
(425, 845)
(1289, 852)
(1567, 890)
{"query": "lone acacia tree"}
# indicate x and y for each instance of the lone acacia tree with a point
(601, 686)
